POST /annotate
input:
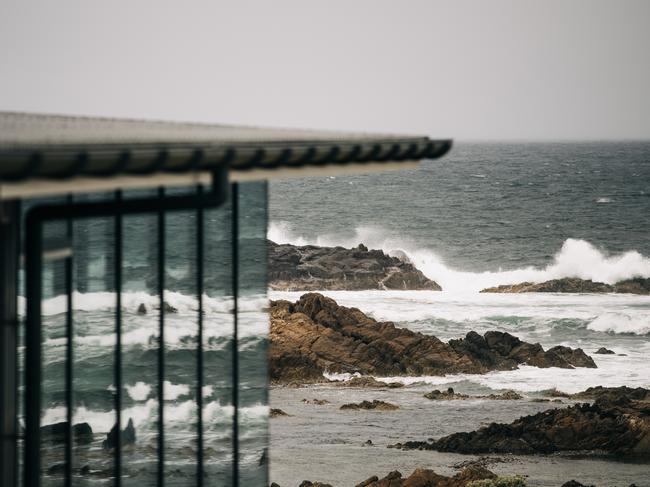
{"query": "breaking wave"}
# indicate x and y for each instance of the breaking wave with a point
(576, 258)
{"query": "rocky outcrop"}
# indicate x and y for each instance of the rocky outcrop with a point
(451, 395)
(315, 335)
(615, 423)
(448, 395)
(310, 268)
(369, 383)
(371, 405)
(575, 285)
(422, 477)
(497, 350)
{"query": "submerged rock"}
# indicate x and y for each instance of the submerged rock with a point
(575, 285)
(127, 436)
(318, 402)
(276, 413)
(308, 268)
(605, 351)
(315, 335)
(375, 405)
(614, 423)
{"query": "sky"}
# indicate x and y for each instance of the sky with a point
(466, 69)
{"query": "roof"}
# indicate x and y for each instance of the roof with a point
(57, 147)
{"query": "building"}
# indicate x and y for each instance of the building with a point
(132, 259)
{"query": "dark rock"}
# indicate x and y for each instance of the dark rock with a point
(375, 405)
(273, 484)
(318, 402)
(276, 413)
(168, 308)
(504, 396)
(573, 483)
(448, 395)
(56, 433)
(574, 356)
(575, 285)
(605, 351)
(315, 335)
(309, 268)
(368, 481)
(307, 483)
(617, 422)
(264, 458)
(56, 468)
(142, 309)
(368, 443)
(85, 470)
(428, 478)
(127, 436)
(369, 382)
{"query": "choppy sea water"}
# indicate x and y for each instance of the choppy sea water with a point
(488, 214)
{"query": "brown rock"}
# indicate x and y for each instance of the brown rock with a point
(315, 335)
(276, 413)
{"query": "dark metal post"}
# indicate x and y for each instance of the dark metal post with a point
(161, 343)
(33, 372)
(69, 354)
(199, 351)
(117, 235)
(9, 259)
(235, 337)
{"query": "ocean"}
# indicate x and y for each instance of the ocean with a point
(486, 214)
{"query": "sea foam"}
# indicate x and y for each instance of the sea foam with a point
(576, 258)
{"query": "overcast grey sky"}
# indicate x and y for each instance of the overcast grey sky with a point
(521, 69)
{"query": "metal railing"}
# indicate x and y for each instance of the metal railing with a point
(116, 208)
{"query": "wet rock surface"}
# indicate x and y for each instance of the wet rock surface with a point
(575, 285)
(277, 413)
(370, 405)
(451, 395)
(310, 268)
(369, 383)
(618, 422)
(315, 335)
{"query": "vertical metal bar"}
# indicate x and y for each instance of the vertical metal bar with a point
(235, 337)
(68, 353)
(117, 237)
(9, 258)
(161, 344)
(34, 289)
(199, 351)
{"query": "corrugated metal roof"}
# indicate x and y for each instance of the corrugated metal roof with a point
(54, 154)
